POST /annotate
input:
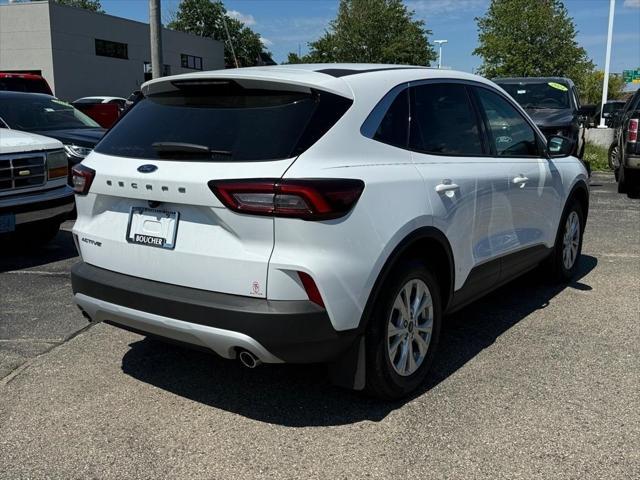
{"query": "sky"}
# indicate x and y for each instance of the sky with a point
(288, 25)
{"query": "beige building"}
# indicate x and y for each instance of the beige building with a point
(82, 53)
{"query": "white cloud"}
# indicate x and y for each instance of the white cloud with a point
(444, 7)
(631, 3)
(266, 42)
(246, 19)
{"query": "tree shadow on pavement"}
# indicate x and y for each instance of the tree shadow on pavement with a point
(301, 395)
(17, 256)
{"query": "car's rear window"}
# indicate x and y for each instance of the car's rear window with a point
(17, 84)
(223, 124)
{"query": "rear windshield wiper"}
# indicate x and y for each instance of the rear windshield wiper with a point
(189, 149)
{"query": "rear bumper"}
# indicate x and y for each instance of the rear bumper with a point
(275, 331)
(632, 161)
(35, 206)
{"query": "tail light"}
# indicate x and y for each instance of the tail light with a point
(311, 288)
(308, 199)
(81, 178)
(632, 133)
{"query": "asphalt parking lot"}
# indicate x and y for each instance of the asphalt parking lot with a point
(535, 381)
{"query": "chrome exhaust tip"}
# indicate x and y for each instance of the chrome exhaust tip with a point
(248, 359)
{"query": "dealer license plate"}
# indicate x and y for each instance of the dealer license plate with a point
(153, 227)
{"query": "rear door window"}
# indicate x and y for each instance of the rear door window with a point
(510, 133)
(443, 121)
(224, 123)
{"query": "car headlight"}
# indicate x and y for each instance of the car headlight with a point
(77, 151)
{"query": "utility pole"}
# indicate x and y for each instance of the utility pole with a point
(605, 82)
(440, 43)
(233, 52)
(155, 29)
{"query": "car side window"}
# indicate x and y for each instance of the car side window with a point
(511, 134)
(443, 120)
(394, 127)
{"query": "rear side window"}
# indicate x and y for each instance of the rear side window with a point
(224, 123)
(394, 127)
(443, 121)
(510, 133)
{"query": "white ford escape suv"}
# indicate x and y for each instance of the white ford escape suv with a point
(320, 213)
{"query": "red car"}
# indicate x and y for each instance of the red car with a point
(24, 82)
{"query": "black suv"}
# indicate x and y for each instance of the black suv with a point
(553, 104)
(624, 153)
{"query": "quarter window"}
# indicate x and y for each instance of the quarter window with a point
(511, 135)
(443, 121)
(394, 127)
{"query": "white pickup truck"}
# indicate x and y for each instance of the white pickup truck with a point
(34, 196)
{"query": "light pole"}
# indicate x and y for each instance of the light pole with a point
(440, 43)
(605, 82)
(155, 30)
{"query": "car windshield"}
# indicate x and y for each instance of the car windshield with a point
(39, 113)
(539, 95)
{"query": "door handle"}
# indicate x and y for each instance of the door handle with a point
(520, 179)
(446, 186)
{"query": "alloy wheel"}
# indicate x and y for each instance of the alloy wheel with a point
(571, 240)
(410, 327)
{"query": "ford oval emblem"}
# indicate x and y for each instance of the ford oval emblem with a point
(147, 168)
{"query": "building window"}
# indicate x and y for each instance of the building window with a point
(190, 61)
(148, 74)
(106, 48)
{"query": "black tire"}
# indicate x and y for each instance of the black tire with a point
(622, 181)
(382, 380)
(610, 155)
(560, 272)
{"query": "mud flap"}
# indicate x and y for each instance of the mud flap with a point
(349, 370)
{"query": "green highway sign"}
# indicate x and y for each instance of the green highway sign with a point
(631, 76)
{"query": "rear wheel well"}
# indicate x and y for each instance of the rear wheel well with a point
(436, 258)
(580, 193)
(427, 245)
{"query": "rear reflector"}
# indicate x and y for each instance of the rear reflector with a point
(82, 177)
(308, 199)
(311, 288)
(632, 133)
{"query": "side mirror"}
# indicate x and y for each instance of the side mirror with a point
(558, 146)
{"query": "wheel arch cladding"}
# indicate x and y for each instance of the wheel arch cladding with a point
(580, 192)
(427, 244)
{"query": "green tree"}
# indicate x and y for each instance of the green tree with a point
(91, 5)
(530, 38)
(372, 31)
(591, 87)
(206, 18)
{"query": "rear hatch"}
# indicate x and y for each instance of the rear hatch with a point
(150, 213)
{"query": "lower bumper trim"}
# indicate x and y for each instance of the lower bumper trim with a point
(223, 342)
(296, 331)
